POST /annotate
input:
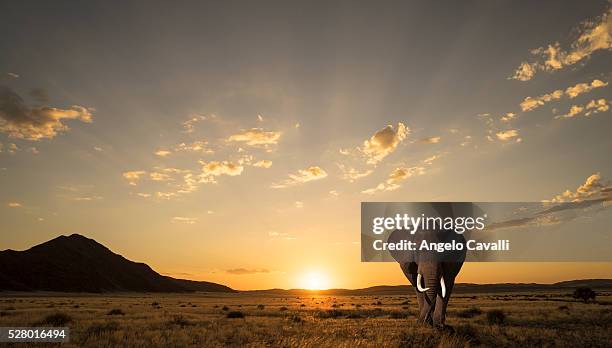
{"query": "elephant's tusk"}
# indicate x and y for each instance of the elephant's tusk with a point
(443, 286)
(419, 287)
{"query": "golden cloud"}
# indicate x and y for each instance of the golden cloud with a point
(594, 36)
(263, 164)
(507, 135)
(246, 271)
(591, 108)
(395, 178)
(133, 176)
(302, 176)
(352, 174)
(184, 220)
(35, 123)
(256, 137)
(431, 140)
(384, 142)
(592, 187)
(531, 103)
(216, 168)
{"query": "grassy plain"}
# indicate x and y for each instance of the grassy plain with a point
(311, 320)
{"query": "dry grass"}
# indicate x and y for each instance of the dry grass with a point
(211, 320)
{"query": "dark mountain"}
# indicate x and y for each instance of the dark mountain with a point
(79, 264)
(460, 288)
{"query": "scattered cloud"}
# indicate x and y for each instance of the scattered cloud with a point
(260, 118)
(400, 174)
(189, 125)
(13, 75)
(133, 176)
(212, 169)
(574, 91)
(200, 146)
(507, 135)
(263, 164)
(299, 204)
(531, 103)
(280, 235)
(593, 187)
(184, 220)
(352, 174)
(395, 178)
(525, 72)
(302, 176)
(591, 108)
(334, 193)
(430, 140)
(14, 205)
(156, 176)
(508, 117)
(256, 137)
(384, 142)
(196, 146)
(87, 198)
(35, 123)
(247, 271)
(595, 35)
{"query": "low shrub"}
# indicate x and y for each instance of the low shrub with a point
(469, 313)
(235, 315)
(496, 317)
(56, 319)
(180, 321)
(115, 311)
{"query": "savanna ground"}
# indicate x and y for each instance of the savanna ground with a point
(213, 320)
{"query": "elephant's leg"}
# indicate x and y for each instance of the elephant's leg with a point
(439, 315)
(410, 271)
(424, 310)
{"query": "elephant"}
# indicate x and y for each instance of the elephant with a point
(432, 274)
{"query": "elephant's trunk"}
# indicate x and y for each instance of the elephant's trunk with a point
(430, 284)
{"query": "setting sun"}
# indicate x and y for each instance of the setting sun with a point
(315, 281)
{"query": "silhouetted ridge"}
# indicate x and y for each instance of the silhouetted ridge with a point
(79, 264)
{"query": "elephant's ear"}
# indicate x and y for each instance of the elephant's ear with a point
(401, 256)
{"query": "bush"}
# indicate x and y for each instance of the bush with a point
(469, 332)
(283, 308)
(332, 313)
(563, 308)
(56, 319)
(584, 294)
(115, 311)
(155, 304)
(235, 314)
(98, 329)
(469, 313)
(180, 321)
(398, 315)
(496, 317)
(260, 306)
(225, 308)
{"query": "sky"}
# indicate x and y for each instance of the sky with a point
(233, 142)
